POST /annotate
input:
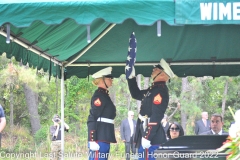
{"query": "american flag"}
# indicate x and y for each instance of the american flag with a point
(131, 57)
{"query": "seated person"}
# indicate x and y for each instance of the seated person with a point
(174, 130)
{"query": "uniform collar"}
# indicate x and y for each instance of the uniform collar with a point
(102, 90)
(158, 82)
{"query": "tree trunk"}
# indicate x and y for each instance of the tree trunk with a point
(139, 86)
(175, 111)
(183, 114)
(11, 86)
(112, 95)
(32, 101)
(11, 108)
(128, 102)
(57, 87)
(224, 99)
(125, 94)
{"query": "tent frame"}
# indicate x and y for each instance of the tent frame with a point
(30, 48)
(153, 63)
(91, 44)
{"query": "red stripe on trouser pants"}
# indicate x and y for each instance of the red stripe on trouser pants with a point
(96, 158)
(146, 156)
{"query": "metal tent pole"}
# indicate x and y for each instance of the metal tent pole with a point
(153, 63)
(30, 48)
(91, 44)
(62, 112)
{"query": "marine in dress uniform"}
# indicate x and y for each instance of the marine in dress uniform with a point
(101, 119)
(154, 101)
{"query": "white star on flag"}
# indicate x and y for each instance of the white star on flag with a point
(127, 67)
(131, 58)
(129, 49)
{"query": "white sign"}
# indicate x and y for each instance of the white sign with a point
(219, 11)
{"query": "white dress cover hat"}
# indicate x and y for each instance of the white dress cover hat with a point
(166, 68)
(106, 72)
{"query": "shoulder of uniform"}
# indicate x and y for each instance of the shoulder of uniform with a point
(156, 89)
(98, 93)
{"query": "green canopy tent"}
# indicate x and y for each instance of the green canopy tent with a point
(52, 35)
(197, 38)
(58, 31)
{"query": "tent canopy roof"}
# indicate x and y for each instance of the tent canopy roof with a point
(58, 32)
(22, 13)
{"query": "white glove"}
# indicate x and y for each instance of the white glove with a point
(132, 74)
(145, 143)
(93, 146)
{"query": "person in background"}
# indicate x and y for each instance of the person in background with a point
(55, 132)
(165, 123)
(127, 130)
(101, 131)
(175, 130)
(202, 125)
(2, 122)
(216, 126)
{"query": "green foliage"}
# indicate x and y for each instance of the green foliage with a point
(201, 94)
(3, 61)
(42, 134)
(17, 139)
(77, 101)
(175, 87)
(122, 113)
(118, 148)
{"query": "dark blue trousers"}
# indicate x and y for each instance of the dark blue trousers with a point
(102, 153)
(141, 152)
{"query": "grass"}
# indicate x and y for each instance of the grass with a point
(18, 143)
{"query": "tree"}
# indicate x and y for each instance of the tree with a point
(224, 99)
(10, 79)
(22, 82)
(32, 104)
(183, 113)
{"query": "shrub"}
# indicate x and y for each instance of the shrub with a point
(42, 134)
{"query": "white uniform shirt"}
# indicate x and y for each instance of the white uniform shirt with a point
(130, 121)
(220, 133)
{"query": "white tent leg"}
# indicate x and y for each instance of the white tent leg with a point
(62, 112)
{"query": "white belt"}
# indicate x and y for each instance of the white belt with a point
(106, 120)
